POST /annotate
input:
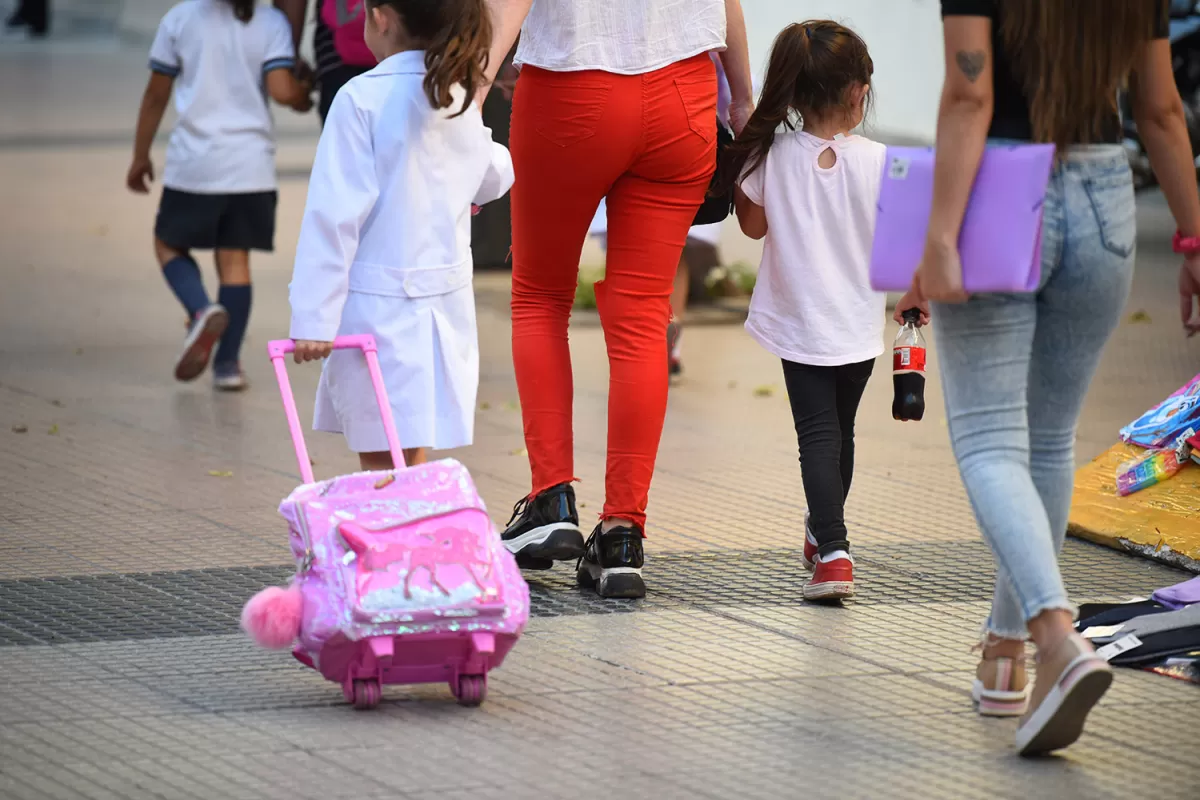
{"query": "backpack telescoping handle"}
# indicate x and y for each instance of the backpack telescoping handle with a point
(365, 342)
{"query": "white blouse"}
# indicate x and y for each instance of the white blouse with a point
(628, 37)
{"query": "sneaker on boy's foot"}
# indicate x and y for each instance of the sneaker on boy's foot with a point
(205, 332)
(229, 377)
(833, 577)
(808, 557)
(545, 528)
(612, 563)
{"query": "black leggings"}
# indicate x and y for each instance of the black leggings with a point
(824, 403)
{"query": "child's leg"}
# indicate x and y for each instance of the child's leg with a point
(183, 276)
(235, 295)
(376, 462)
(679, 294)
(851, 383)
(812, 392)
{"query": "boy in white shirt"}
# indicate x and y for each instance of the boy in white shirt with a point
(222, 58)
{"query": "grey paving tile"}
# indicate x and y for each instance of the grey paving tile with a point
(667, 646)
(75, 700)
(907, 637)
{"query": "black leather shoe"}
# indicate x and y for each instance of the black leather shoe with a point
(612, 563)
(545, 529)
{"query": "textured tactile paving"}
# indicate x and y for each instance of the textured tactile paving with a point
(92, 608)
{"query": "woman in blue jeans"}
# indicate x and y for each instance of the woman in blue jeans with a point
(1015, 368)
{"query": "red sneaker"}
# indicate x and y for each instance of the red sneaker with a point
(809, 556)
(831, 580)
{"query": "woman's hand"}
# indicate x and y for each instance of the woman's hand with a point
(739, 115)
(506, 81)
(910, 300)
(1189, 294)
(939, 277)
(307, 350)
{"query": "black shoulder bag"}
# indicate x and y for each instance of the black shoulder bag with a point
(717, 207)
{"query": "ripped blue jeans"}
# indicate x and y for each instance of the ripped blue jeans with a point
(1015, 369)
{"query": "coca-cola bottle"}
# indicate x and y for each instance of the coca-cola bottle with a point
(908, 369)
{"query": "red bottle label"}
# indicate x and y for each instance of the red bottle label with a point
(908, 359)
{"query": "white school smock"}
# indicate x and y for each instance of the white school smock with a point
(385, 249)
(224, 138)
(813, 302)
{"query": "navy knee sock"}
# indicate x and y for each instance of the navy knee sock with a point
(183, 276)
(236, 300)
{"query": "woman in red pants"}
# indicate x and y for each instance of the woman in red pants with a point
(616, 99)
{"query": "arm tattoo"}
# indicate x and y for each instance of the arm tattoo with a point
(971, 63)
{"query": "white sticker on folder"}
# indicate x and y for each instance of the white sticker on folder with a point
(898, 169)
(1101, 631)
(1125, 643)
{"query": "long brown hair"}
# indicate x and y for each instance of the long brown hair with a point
(456, 36)
(1071, 58)
(813, 68)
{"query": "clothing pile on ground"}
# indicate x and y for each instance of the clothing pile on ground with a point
(1160, 634)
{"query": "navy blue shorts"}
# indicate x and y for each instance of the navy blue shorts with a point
(188, 221)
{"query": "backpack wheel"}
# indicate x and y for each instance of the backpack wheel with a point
(472, 689)
(367, 694)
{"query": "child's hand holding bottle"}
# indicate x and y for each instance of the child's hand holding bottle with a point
(911, 300)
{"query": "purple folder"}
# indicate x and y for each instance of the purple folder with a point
(1001, 239)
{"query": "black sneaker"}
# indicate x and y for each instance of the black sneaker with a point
(545, 529)
(612, 563)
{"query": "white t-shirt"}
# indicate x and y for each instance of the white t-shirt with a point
(224, 140)
(628, 37)
(813, 302)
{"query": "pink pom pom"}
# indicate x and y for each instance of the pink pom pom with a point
(272, 617)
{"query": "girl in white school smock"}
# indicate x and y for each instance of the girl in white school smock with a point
(385, 245)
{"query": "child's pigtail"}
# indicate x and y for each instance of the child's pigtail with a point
(458, 37)
(813, 66)
(790, 57)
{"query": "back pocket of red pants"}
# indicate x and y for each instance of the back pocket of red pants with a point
(699, 97)
(568, 105)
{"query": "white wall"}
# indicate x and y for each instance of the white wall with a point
(904, 37)
(905, 40)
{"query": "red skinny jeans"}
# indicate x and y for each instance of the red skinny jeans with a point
(647, 143)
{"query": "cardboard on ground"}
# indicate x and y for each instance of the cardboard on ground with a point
(1161, 522)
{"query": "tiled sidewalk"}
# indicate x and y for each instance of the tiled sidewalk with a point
(123, 564)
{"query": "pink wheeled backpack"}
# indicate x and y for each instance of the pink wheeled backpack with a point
(400, 575)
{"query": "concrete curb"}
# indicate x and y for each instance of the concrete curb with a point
(1161, 523)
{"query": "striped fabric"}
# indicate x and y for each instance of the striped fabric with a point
(326, 55)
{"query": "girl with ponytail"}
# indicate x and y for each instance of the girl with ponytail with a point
(809, 186)
(385, 243)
